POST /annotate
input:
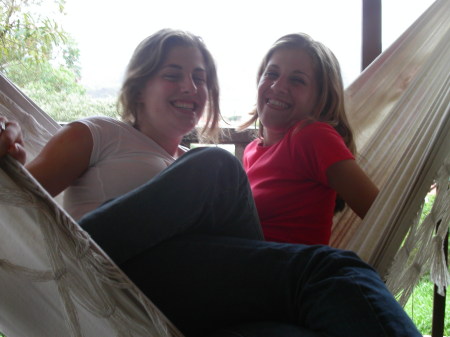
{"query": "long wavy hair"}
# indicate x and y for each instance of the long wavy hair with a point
(146, 60)
(331, 109)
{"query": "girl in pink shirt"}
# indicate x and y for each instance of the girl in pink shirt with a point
(303, 160)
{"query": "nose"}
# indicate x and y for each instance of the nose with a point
(279, 85)
(188, 85)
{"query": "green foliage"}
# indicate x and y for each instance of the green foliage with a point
(28, 37)
(43, 60)
(52, 79)
(65, 106)
(420, 307)
(429, 200)
(34, 48)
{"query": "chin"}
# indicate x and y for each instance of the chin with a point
(188, 128)
(274, 123)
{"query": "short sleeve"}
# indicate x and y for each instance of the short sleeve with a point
(315, 148)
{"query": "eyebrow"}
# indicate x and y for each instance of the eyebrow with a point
(299, 72)
(178, 67)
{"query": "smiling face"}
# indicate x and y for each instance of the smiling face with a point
(287, 92)
(174, 98)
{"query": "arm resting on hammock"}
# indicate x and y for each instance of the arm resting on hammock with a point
(353, 185)
(63, 159)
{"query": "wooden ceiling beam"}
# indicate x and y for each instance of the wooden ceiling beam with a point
(371, 31)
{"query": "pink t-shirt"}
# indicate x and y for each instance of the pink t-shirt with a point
(290, 185)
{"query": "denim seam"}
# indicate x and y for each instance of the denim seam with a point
(369, 304)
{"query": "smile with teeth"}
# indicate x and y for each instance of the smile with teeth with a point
(277, 104)
(184, 105)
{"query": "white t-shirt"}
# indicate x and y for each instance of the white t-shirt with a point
(122, 159)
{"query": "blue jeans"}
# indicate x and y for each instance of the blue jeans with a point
(191, 240)
(265, 329)
(205, 283)
(205, 191)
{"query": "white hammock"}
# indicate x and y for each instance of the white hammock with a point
(54, 281)
(400, 108)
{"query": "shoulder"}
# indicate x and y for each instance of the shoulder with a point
(315, 135)
(253, 144)
(251, 147)
(250, 152)
(319, 140)
(103, 126)
(102, 121)
(314, 129)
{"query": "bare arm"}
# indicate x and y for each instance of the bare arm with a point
(353, 185)
(63, 159)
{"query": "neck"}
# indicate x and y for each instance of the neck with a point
(272, 137)
(168, 143)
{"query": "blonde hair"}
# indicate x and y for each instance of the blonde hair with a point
(330, 107)
(148, 57)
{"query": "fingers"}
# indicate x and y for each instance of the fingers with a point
(11, 141)
(17, 151)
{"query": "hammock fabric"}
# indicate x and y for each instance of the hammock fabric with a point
(399, 107)
(56, 282)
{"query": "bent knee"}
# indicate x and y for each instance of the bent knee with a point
(337, 260)
(215, 155)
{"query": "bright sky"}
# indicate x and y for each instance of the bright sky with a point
(237, 32)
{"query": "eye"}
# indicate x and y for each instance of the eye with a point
(297, 80)
(199, 80)
(271, 74)
(173, 77)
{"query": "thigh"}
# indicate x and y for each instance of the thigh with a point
(265, 329)
(205, 283)
(205, 191)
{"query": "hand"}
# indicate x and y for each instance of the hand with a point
(11, 141)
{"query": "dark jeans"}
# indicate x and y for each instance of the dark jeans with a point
(190, 239)
(205, 283)
(205, 191)
(265, 329)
